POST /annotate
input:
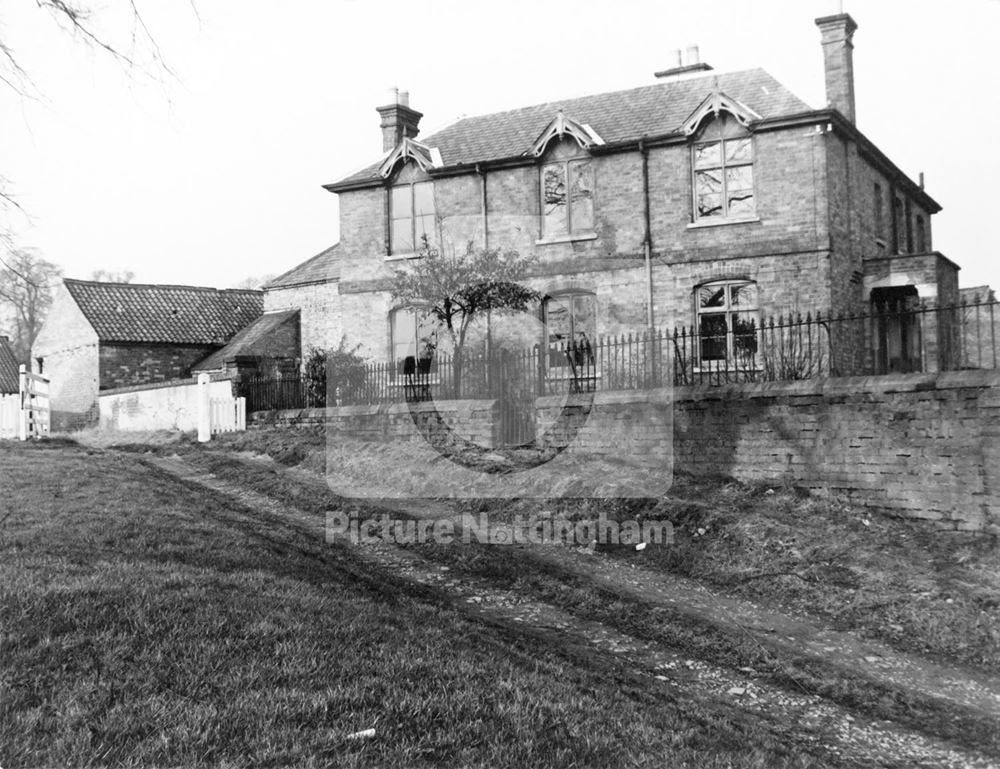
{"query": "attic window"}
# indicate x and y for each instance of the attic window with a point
(722, 164)
(567, 192)
(411, 211)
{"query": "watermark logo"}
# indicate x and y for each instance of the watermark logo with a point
(499, 384)
(535, 529)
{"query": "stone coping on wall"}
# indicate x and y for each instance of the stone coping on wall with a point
(888, 383)
(319, 414)
(660, 395)
(159, 385)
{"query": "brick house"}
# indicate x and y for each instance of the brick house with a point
(708, 200)
(9, 377)
(100, 336)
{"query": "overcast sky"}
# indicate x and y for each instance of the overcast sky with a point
(215, 176)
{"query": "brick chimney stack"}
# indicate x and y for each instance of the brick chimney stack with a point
(398, 120)
(838, 57)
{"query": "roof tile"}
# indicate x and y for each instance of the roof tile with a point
(9, 379)
(131, 312)
(322, 268)
(650, 110)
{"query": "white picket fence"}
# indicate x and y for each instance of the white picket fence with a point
(10, 415)
(26, 414)
(228, 415)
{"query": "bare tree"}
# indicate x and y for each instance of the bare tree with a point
(134, 47)
(27, 283)
(457, 288)
(254, 282)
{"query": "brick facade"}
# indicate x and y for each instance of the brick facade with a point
(815, 241)
(123, 365)
(319, 308)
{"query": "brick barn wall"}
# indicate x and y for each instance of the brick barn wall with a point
(73, 388)
(122, 365)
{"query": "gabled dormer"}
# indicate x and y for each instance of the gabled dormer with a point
(722, 159)
(562, 127)
(566, 179)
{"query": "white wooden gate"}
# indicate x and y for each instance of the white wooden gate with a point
(35, 417)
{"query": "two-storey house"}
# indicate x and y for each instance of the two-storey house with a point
(706, 200)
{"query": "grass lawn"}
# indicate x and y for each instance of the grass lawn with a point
(146, 622)
(903, 582)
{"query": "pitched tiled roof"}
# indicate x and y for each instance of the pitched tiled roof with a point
(652, 110)
(9, 382)
(253, 340)
(134, 312)
(322, 268)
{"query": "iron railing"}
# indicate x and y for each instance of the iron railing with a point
(895, 337)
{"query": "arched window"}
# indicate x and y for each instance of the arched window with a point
(411, 210)
(727, 321)
(567, 191)
(570, 328)
(722, 164)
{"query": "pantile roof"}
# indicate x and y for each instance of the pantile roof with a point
(652, 110)
(322, 268)
(135, 312)
(9, 379)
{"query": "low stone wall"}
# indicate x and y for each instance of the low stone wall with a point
(637, 424)
(446, 422)
(921, 445)
(160, 406)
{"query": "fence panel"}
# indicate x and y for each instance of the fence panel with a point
(10, 415)
(227, 415)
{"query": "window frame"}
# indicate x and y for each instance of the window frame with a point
(920, 234)
(557, 362)
(398, 366)
(413, 216)
(729, 311)
(878, 213)
(725, 135)
(570, 231)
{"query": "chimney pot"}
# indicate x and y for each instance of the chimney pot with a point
(692, 55)
(678, 60)
(399, 120)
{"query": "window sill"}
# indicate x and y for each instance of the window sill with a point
(404, 256)
(721, 222)
(566, 238)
